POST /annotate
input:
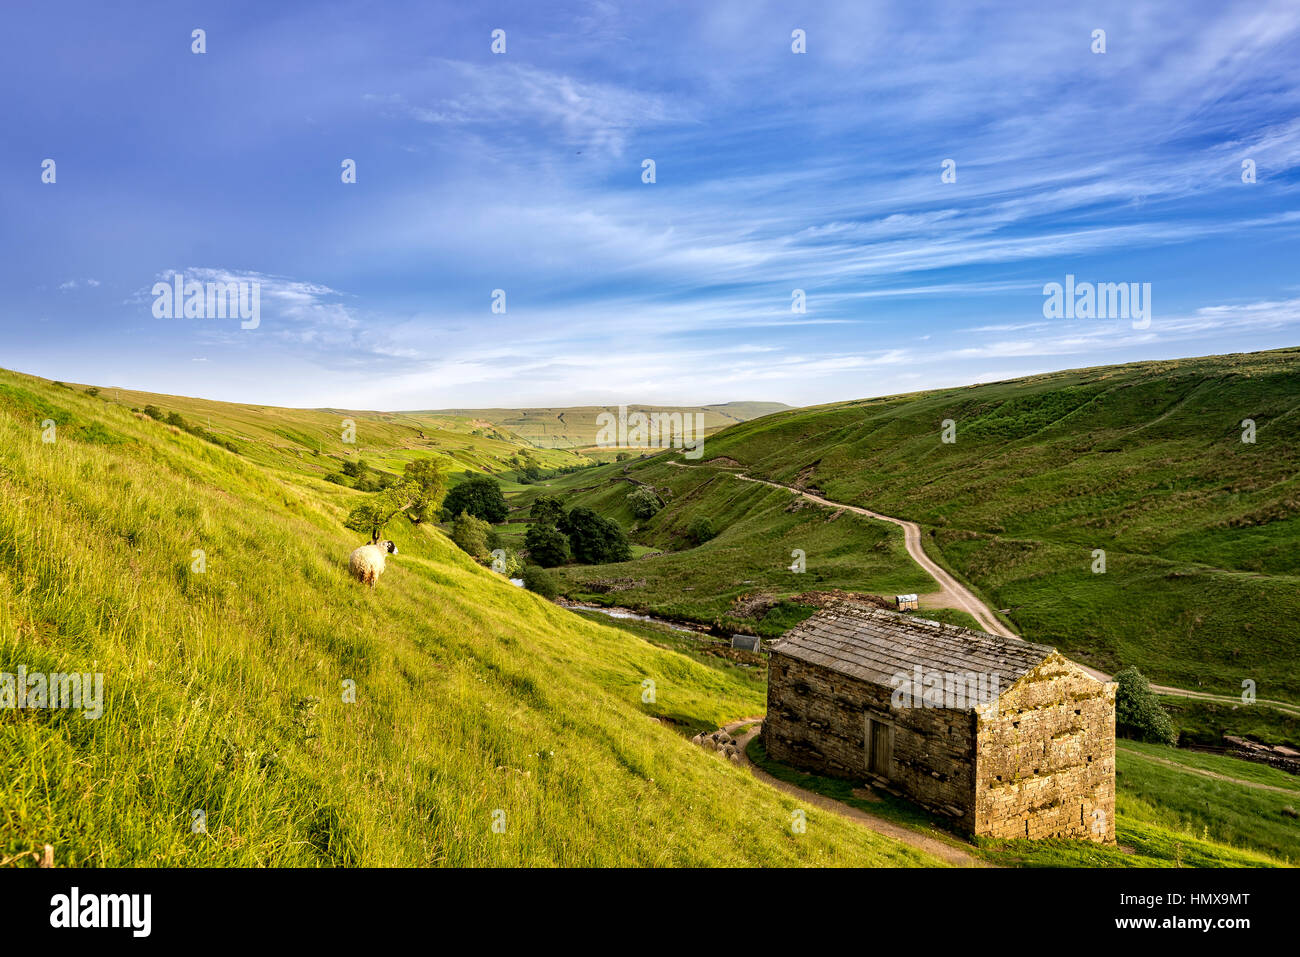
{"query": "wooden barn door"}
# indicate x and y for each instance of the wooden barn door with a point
(878, 747)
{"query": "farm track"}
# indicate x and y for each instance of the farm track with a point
(1208, 774)
(954, 594)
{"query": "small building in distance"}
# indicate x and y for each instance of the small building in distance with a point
(1007, 738)
(906, 602)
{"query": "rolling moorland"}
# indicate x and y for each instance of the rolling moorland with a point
(1145, 461)
(575, 427)
(223, 686)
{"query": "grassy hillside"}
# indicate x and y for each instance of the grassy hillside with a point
(575, 427)
(223, 687)
(1144, 461)
(475, 701)
(312, 442)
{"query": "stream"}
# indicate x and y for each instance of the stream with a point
(627, 613)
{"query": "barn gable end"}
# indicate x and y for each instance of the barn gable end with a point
(1045, 764)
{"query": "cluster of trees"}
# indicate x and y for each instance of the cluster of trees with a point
(355, 473)
(179, 421)
(580, 534)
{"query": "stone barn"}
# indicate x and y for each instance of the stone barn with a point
(1007, 738)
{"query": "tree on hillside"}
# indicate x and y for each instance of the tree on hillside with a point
(480, 496)
(380, 508)
(1137, 711)
(644, 502)
(429, 481)
(354, 468)
(547, 510)
(701, 530)
(471, 535)
(594, 539)
(547, 545)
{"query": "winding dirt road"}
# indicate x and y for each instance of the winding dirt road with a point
(953, 594)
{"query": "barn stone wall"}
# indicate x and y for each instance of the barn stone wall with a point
(1045, 764)
(817, 720)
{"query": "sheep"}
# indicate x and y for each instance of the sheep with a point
(367, 562)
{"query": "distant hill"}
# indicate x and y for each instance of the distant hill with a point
(575, 427)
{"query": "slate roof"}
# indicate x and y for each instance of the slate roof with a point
(874, 645)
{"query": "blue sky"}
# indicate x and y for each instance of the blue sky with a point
(522, 171)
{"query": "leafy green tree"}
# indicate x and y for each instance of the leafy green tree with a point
(355, 468)
(470, 534)
(644, 502)
(546, 545)
(541, 581)
(480, 496)
(594, 539)
(379, 509)
(429, 483)
(547, 510)
(1137, 711)
(701, 530)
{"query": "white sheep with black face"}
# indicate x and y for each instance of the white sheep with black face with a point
(367, 562)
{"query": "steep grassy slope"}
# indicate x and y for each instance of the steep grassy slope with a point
(311, 441)
(1146, 461)
(223, 686)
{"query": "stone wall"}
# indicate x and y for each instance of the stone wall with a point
(817, 720)
(1045, 764)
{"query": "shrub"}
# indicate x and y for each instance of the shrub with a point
(354, 468)
(539, 580)
(480, 496)
(594, 539)
(644, 502)
(470, 534)
(1137, 712)
(153, 412)
(701, 530)
(547, 545)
